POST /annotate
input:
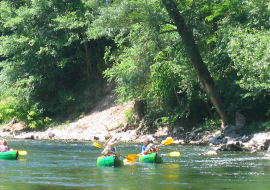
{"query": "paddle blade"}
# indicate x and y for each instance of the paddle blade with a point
(22, 152)
(129, 159)
(126, 161)
(97, 145)
(132, 156)
(168, 141)
(174, 154)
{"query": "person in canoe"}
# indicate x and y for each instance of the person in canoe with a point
(148, 148)
(3, 146)
(110, 148)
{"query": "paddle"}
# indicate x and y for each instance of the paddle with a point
(128, 161)
(22, 152)
(173, 154)
(106, 143)
(167, 141)
(108, 131)
(100, 146)
(133, 156)
(97, 145)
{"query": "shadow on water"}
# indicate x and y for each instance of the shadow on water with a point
(72, 165)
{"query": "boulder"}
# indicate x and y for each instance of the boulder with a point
(14, 126)
(233, 146)
(210, 153)
(239, 121)
(260, 140)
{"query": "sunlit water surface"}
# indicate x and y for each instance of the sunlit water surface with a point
(72, 165)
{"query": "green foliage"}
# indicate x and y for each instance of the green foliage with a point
(249, 52)
(256, 127)
(7, 111)
(46, 59)
(149, 62)
(210, 124)
(230, 39)
(129, 116)
(10, 109)
(168, 120)
(53, 54)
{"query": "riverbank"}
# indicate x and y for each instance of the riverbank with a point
(108, 118)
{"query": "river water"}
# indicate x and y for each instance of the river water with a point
(72, 165)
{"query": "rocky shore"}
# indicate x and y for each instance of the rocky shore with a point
(108, 118)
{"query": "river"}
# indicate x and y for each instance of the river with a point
(72, 165)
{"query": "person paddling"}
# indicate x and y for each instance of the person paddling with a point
(110, 148)
(3, 146)
(148, 148)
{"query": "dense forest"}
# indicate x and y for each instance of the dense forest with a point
(181, 61)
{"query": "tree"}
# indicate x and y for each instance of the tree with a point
(195, 57)
(144, 50)
(163, 54)
(249, 52)
(47, 58)
(178, 60)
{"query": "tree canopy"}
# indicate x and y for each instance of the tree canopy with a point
(188, 61)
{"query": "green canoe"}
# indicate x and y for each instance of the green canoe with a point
(109, 161)
(151, 158)
(10, 155)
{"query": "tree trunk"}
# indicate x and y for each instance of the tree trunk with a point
(195, 57)
(88, 64)
(139, 110)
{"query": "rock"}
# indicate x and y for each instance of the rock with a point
(232, 146)
(245, 138)
(179, 141)
(14, 126)
(254, 150)
(51, 135)
(230, 130)
(260, 140)
(239, 121)
(162, 132)
(210, 153)
(215, 139)
(195, 142)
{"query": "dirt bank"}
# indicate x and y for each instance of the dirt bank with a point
(107, 114)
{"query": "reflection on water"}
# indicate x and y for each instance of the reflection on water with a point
(172, 172)
(22, 160)
(72, 165)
